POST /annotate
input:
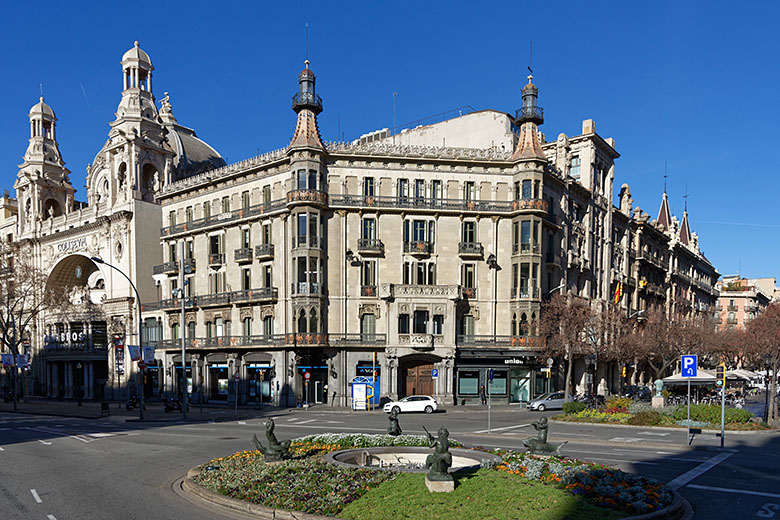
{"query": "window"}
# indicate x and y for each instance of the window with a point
(418, 231)
(301, 176)
(267, 233)
(514, 279)
(526, 189)
(419, 191)
(368, 187)
(206, 209)
(191, 330)
(438, 324)
(268, 326)
(228, 330)
(420, 322)
(574, 171)
(174, 284)
(209, 329)
(368, 325)
(247, 326)
(189, 250)
(468, 276)
(403, 189)
(312, 179)
(469, 232)
(525, 274)
(537, 192)
(266, 195)
(467, 325)
(468, 382)
(267, 276)
(515, 237)
(246, 279)
(368, 229)
(215, 244)
(469, 191)
(436, 190)
(245, 200)
(175, 331)
(172, 218)
(245, 238)
(525, 236)
(172, 252)
(368, 273)
(216, 283)
(225, 204)
(403, 324)
(188, 214)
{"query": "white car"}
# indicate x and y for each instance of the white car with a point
(413, 403)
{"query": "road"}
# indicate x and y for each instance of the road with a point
(63, 468)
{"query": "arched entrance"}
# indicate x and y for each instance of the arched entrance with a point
(416, 375)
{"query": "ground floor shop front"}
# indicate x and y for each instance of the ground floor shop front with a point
(516, 377)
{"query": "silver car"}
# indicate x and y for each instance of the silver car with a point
(549, 401)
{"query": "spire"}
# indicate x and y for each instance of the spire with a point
(528, 117)
(685, 230)
(664, 214)
(307, 104)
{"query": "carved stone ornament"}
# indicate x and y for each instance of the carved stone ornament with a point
(116, 325)
(403, 308)
(266, 310)
(94, 240)
(438, 309)
(390, 352)
(118, 250)
(246, 312)
(191, 317)
(173, 319)
(474, 311)
(370, 309)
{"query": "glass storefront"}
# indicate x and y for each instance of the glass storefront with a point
(498, 387)
(514, 378)
(219, 382)
(520, 385)
(259, 378)
(468, 382)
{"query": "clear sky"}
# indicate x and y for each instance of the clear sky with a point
(690, 84)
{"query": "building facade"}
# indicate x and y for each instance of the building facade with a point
(420, 258)
(742, 299)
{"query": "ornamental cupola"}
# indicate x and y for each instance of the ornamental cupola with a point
(307, 104)
(528, 118)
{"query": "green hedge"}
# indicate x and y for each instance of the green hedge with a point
(649, 419)
(711, 413)
(573, 407)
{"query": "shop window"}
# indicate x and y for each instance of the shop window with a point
(403, 324)
(468, 382)
(499, 385)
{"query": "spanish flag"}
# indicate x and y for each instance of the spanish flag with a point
(618, 293)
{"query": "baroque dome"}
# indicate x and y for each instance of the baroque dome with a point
(42, 108)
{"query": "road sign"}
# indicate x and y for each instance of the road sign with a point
(307, 375)
(435, 373)
(236, 376)
(490, 376)
(141, 365)
(689, 366)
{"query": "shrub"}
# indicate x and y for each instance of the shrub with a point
(619, 402)
(648, 418)
(710, 413)
(573, 407)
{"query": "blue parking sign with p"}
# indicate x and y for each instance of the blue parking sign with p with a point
(689, 368)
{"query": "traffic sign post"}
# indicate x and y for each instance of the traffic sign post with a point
(490, 383)
(435, 373)
(236, 378)
(689, 368)
(721, 375)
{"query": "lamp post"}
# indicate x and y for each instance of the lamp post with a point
(140, 328)
(767, 358)
(548, 293)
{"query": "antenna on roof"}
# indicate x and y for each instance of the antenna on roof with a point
(666, 174)
(307, 41)
(530, 56)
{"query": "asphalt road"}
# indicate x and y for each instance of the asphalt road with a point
(63, 468)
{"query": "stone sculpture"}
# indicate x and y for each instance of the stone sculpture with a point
(538, 445)
(276, 451)
(394, 428)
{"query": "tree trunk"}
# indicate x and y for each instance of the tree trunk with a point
(567, 386)
(772, 389)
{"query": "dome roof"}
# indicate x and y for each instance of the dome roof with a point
(307, 71)
(193, 155)
(136, 54)
(42, 108)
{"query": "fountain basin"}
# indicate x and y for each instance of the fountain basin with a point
(405, 459)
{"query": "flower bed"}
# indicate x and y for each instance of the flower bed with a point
(308, 484)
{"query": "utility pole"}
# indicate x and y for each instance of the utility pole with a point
(183, 327)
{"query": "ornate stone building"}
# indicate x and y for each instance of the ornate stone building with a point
(421, 257)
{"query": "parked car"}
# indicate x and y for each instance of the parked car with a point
(413, 403)
(549, 401)
(640, 393)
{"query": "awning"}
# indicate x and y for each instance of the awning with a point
(702, 378)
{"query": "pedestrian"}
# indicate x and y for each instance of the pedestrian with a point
(482, 395)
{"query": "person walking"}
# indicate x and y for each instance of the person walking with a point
(482, 395)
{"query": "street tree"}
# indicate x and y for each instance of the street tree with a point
(562, 328)
(764, 345)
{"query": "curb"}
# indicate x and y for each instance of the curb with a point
(667, 428)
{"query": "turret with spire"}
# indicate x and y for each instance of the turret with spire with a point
(43, 185)
(528, 118)
(307, 104)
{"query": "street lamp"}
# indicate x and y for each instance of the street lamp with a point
(548, 293)
(767, 358)
(140, 327)
(637, 313)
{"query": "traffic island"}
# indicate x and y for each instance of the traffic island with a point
(511, 485)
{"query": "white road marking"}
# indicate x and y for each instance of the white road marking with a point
(4, 429)
(504, 428)
(738, 491)
(307, 421)
(699, 470)
(2, 449)
(659, 434)
(35, 496)
(625, 439)
(51, 517)
(44, 442)
(100, 435)
(629, 461)
(241, 422)
(578, 434)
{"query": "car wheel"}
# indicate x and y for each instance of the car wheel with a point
(541, 408)
(396, 409)
(429, 409)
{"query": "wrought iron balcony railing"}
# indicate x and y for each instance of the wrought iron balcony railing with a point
(472, 249)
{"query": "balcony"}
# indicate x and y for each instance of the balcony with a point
(368, 290)
(254, 295)
(529, 204)
(264, 252)
(552, 218)
(470, 249)
(732, 308)
(221, 219)
(357, 339)
(167, 268)
(526, 293)
(418, 247)
(488, 341)
(209, 300)
(652, 259)
(314, 197)
(216, 260)
(469, 293)
(308, 242)
(306, 339)
(532, 113)
(371, 246)
(525, 248)
(438, 205)
(307, 100)
(305, 289)
(243, 255)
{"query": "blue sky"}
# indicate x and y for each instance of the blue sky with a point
(692, 84)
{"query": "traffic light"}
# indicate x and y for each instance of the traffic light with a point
(720, 375)
(623, 372)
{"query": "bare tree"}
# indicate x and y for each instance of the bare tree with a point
(657, 345)
(22, 298)
(563, 324)
(764, 334)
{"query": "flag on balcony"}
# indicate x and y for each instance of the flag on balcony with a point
(618, 293)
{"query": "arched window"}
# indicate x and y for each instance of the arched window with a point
(51, 209)
(149, 180)
(534, 323)
(313, 321)
(523, 325)
(514, 324)
(302, 321)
